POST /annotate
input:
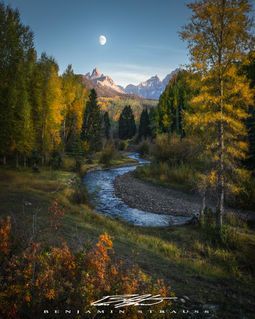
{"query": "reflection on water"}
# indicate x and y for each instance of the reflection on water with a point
(100, 185)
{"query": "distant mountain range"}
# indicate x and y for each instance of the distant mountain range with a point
(152, 88)
(105, 86)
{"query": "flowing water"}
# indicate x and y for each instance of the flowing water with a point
(100, 185)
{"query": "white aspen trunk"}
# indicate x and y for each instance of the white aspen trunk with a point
(202, 212)
(221, 184)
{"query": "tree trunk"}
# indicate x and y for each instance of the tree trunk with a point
(64, 132)
(220, 205)
(221, 184)
(25, 161)
(203, 204)
(17, 160)
(202, 212)
(46, 159)
(4, 160)
(177, 120)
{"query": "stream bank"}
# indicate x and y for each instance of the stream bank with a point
(100, 186)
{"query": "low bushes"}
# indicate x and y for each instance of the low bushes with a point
(37, 277)
(229, 237)
(121, 145)
(174, 162)
(183, 176)
(175, 151)
(107, 154)
(182, 163)
(144, 148)
(56, 160)
(80, 194)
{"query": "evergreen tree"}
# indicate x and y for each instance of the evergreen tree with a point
(144, 126)
(154, 122)
(174, 101)
(218, 36)
(127, 126)
(76, 150)
(107, 126)
(91, 126)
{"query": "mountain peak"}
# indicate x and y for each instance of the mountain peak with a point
(104, 82)
(155, 77)
(96, 73)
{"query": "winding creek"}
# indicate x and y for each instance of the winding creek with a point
(100, 185)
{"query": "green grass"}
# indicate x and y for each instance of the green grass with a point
(115, 159)
(183, 256)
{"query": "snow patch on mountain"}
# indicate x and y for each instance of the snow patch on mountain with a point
(100, 79)
(152, 88)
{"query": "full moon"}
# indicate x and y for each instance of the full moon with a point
(102, 39)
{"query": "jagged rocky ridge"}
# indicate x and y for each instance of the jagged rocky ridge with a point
(105, 86)
(152, 88)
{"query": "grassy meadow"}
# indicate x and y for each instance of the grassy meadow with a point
(187, 258)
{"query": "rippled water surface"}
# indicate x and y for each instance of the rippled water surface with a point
(100, 186)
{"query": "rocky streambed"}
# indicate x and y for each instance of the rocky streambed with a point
(153, 198)
(145, 196)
